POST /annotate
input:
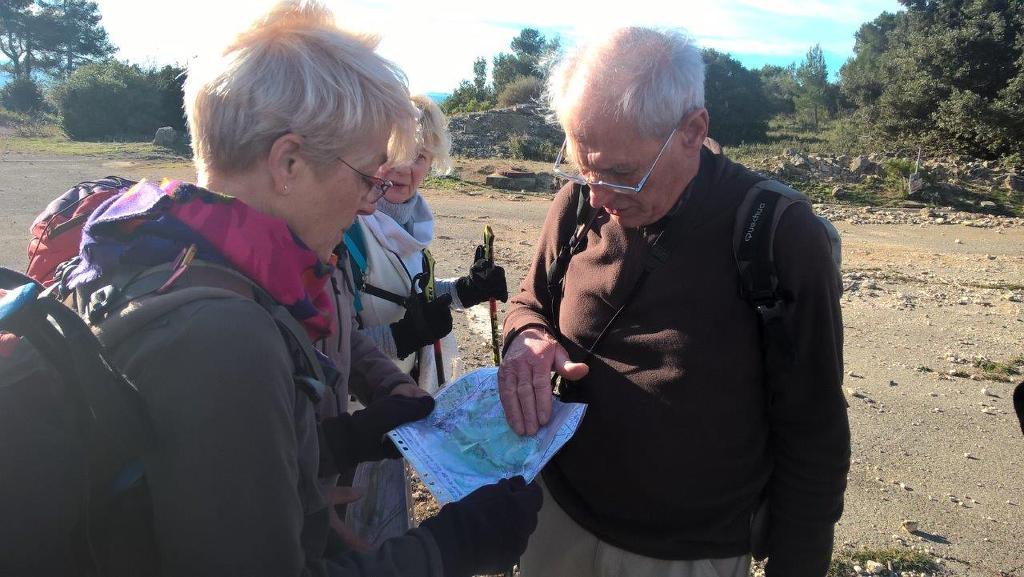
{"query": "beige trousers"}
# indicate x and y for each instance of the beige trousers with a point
(561, 548)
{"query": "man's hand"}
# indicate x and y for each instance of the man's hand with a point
(524, 379)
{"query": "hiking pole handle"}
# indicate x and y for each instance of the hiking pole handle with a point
(492, 303)
(430, 292)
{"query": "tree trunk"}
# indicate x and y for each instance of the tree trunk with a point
(28, 57)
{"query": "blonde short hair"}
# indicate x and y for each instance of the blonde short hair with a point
(432, 133)
(295, 71)
(649, 77)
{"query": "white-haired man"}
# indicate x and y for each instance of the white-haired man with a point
(688, 434)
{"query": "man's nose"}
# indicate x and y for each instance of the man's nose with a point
(599, 197)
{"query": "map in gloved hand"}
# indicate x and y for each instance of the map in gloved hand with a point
(466, 442)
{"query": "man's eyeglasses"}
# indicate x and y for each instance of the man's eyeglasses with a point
(378, 186)
(572, 173)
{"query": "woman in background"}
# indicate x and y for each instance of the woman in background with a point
(389, 257)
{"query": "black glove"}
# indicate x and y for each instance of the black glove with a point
(485, 280)
(359, 437)
(488, 530)
(424, 322)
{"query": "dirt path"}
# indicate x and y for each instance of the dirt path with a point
(922, 302)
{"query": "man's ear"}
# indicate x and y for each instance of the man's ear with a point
(694, 128)
(285, 162)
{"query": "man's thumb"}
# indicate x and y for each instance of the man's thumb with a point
(567, 368)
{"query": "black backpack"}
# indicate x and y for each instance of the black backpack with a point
(73, 428)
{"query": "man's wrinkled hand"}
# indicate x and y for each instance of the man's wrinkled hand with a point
(524, 378)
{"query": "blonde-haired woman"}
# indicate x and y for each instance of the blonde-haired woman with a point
(388, 253)
(210, 296)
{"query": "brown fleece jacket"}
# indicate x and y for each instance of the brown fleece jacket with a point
(679, 442)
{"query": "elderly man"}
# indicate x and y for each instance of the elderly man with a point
(696, 446)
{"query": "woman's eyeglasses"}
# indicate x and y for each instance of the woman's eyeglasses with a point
(378, 186)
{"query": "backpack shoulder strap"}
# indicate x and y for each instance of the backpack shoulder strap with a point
(203, 281)
(568, 247)
(753, 242)
(355, 244)
(754, 237)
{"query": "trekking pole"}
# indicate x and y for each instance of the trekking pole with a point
(492, 302)
(495, 339)
(430, 294)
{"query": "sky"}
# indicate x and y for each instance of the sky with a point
(436, 41)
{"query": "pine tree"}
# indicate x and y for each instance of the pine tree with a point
(23, 32)
(812, 85)
(80, 38)
(51, 36)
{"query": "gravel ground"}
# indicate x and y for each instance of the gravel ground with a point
(933, 299)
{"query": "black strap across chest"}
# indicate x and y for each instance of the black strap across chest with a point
(657, 255)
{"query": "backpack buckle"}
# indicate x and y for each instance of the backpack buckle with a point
(770, 311)
(311, 387)
(99, 302)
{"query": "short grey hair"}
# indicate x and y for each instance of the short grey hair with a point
(295, 71)
(647, 77)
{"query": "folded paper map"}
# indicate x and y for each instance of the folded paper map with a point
(466, 442)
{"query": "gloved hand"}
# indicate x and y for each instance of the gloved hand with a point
(359, 437)
(424, 322)
(485, 280)
(487, 530)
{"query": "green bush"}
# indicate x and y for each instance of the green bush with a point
(468, 97)
(11, 118)
(522, 90)
(22, 95)
(170, 81)
(526, 147)
(110, 100)
(949, 75)
(897, 174)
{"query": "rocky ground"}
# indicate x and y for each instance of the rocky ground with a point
(933, 315)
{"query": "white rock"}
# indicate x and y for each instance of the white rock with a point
(958, 241)
(874, 567)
